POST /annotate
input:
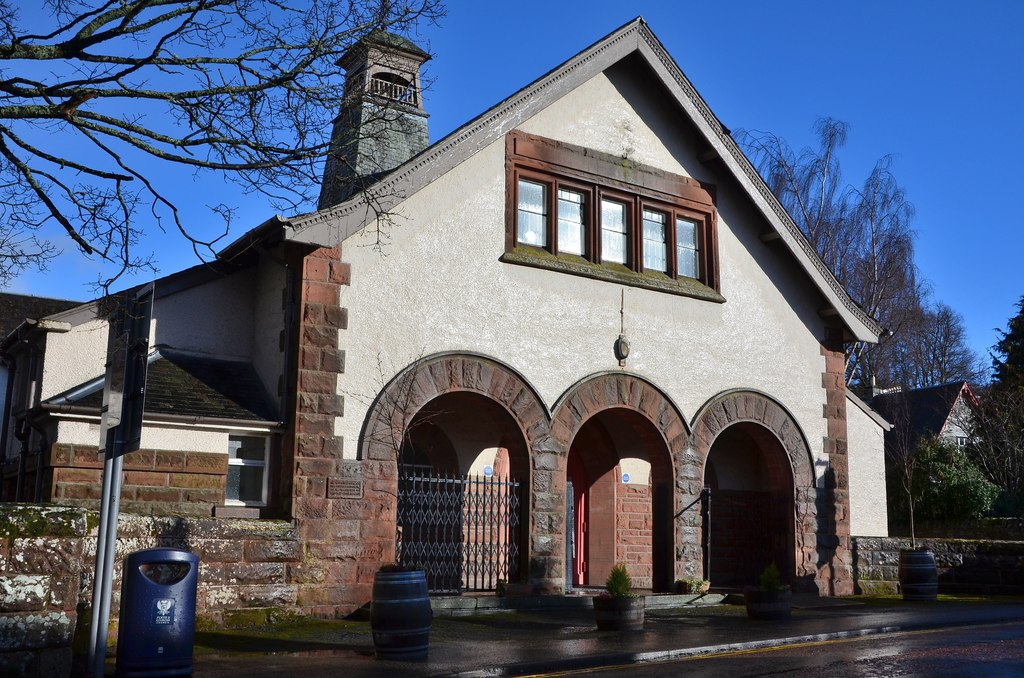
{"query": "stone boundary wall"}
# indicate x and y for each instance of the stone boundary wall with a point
(964, 566)
(47, 559)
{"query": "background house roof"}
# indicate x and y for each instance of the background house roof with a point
(181, 384)
(927, 409)
(16, 308)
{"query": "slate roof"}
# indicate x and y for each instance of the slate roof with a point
(928, 409)
(389, 39)
(15, 308)
(184, 384)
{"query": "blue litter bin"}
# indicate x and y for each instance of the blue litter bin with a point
(158, 613)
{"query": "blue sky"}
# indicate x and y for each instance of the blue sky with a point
(939, 85)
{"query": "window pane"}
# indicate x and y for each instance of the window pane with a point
(248, 448)
(687, 251)
(655, 246)
(571, 229)
(686, 233)
(613, 232)
(234, 473)
(250, 483)
(247, 467)
(533, 214)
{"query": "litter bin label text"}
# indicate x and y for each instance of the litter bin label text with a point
(163, 611)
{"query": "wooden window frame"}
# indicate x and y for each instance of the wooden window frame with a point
(553, 183)
(628, 201)
(668, 225)
(551, 216)
(589, 217)
(600, 176)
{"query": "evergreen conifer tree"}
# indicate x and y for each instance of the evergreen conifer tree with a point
(1008, 356)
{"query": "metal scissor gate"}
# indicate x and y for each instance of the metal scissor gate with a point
(463, 531)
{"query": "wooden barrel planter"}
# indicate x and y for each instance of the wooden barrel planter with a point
(919, 578)
(400, 615)
(768, 605)
(619, 614)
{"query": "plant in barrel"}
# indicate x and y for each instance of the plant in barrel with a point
(617, 608)
(771, 599)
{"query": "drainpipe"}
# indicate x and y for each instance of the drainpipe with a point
(283, 500)
(283, 503)
(20, 478)
(43, 442)
(6, 362)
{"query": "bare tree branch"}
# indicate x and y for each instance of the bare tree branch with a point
(248, 88)
(864, 236)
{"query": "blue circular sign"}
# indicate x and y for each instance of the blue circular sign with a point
(488, 471)
(625, 477)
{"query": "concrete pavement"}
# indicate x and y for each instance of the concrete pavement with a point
(529, 641)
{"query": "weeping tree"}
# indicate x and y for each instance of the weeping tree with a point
(864, 236)
(932, 348)
(99, 98)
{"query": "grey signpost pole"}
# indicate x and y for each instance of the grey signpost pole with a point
(124, 391)
(97, 586)
(105, 554)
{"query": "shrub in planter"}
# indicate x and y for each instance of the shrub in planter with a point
(771, 600)
(618, 609)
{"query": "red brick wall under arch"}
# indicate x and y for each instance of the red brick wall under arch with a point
(757, 408)
(604, 392)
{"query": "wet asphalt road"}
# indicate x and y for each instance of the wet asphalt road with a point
(992, 651)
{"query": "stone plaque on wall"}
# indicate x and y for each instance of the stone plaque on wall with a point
(344, 488)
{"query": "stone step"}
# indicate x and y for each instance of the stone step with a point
(449, 606)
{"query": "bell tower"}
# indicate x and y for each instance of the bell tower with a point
(381, 123)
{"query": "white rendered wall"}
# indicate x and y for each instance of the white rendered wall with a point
(75, 357)
(215, 318)
(154, 437)
(958, 423)
(867, 474)
(440, 287)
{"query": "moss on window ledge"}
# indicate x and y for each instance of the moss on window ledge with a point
(613, 273)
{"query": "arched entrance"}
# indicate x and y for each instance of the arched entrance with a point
(461, 479)
(755, 459)
(752, 523)
(625, 442)
(448, 444)
(619, 470)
